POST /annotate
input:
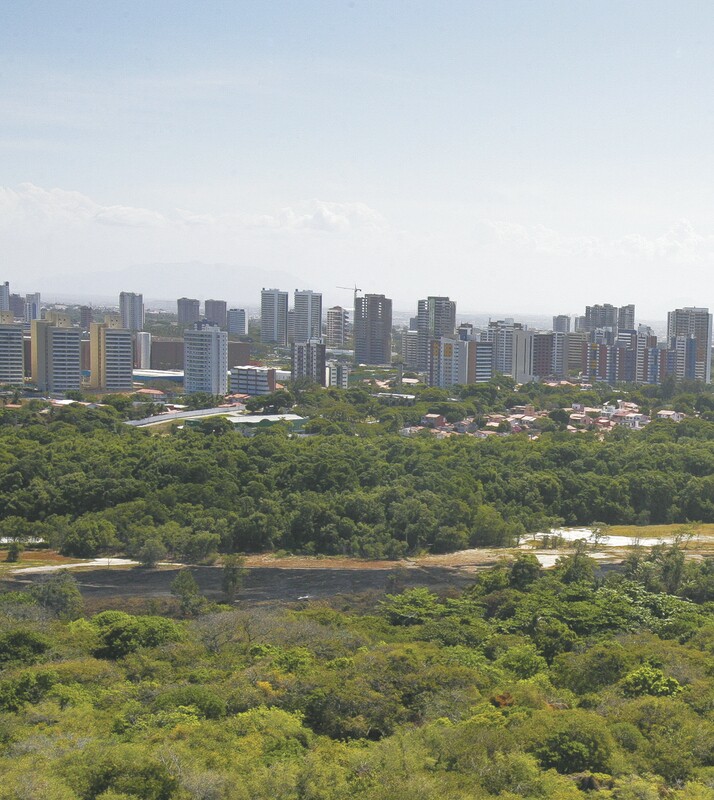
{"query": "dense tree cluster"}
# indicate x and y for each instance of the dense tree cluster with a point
(530, 684)
(86, 483)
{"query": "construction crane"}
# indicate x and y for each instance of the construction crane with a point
(354, 289)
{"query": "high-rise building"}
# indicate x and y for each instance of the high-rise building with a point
(455, 361)
(85, 317)
(373, 329)
(336, 329)
(337, 375)
(543, 347)
(308, 361)
(189, 310)
(5, 296)
(410, 349)
(308, 315)
(142, 354)
(574, 352)
(522, 356)
(111, 349)
(500, 334)
(600, 316)
(33, 306)
(12, 351)
(17, 305)
(56, 354)
(131, 308)
(274, 316)
(436, 317)
(291, 325)
(216, 311)
(252, 380)
(205, 359)
(561, 323)
(696, 323)
(237, 322)
(626, 318)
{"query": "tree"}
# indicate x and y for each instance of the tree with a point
(151, 553)
(60, 594)
(14, 550)
(234, 573)
(185, 588)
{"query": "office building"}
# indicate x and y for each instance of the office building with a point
(574, 352)
(308, 315)
(188, 310)
(111, 355)
(33, 306)
(308, 361)
(336, 328)
(696, 323)
(337, 375)
(142, 355)
(131, 308)
(5, 296)
(291, 326)
(85, 317)
(216, 311)
(500, 334)
(373, 329)
(483, 361)
(56, 354)
(237, 322)
(436, 317)
(274, 316)
(12, 351)
(206, 359)
(252, 380)
(561, 323)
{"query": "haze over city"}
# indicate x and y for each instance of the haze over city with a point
(516, 155)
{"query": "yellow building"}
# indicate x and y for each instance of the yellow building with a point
(111, 355)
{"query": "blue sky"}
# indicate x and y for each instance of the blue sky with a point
(515, 155)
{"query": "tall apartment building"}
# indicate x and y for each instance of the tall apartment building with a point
(696, 323)
(500, 334)
(626, 317)
(337, 375)
(308, 361)
(336, 328)
(131, 308)
(455, 361)
(216, 311)
(373, 329)
(522, 356)
(111, 355)
(600, 316)
(33, 306)
(436, 317)
(274, 316)
(561, 323)
(189, 310)
(574, 352)
(205, 359)
(543, 353)
(86, 317)
(410, 349)
(56, 354)
(12, 351)
(142, 351)
(252, 380)
(237, 322)
(5, 296)
(308, 315)
(17, 305)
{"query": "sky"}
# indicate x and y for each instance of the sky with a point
(518, 156)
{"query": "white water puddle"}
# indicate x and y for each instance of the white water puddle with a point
(573, 534)
(97, 562)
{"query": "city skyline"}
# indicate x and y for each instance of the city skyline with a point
(283, 140)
